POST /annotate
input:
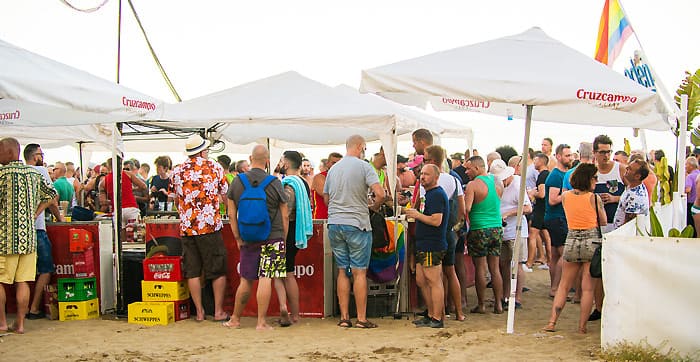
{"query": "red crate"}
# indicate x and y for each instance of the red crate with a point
(84, 263)
(80, 240)
(182, 309)
(163, 268)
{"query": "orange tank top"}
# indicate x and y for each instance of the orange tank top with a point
(580, 214)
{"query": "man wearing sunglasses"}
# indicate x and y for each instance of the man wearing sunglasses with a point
(611, 183)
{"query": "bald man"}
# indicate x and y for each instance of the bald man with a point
(260, 260)
(24, 194)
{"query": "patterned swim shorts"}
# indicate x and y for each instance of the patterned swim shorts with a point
(485, 242)
(580, 245)
(263, 260)
(429, 258)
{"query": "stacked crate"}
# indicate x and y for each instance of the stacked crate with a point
(164, 293)
(77, 297)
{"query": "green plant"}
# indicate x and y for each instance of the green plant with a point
(662, 190)
(658, 231)
(691, 87)
(643, 351)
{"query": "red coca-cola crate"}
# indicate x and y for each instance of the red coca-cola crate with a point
(84, 263)
(163, 268)
(80, 239)
(182, 309)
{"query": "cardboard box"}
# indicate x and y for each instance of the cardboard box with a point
(163, 268)
(84, 263)
(73, 311)
(79, 240)
(51, 301)
(152, 291)
(151, 313)
(76, 289)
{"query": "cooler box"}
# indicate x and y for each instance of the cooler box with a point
(151, 313)
(76, 289)
(84, 263)
(73, 311)
(79, 240)
(163, 268)
(152, 291)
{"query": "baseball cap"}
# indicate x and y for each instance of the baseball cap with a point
(457, 156)
(401, 159)
(500, 170)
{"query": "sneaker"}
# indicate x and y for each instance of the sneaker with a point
(423, 313)
(526, 269)
(543, 267)
(434, 323)
(33, 316)
(594, 316)
(421, 322)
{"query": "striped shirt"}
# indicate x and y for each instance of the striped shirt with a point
(22, 189)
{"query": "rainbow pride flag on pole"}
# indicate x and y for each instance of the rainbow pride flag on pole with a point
(614, 29)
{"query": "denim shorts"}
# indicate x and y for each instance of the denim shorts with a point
(44, 260)
(351, 246)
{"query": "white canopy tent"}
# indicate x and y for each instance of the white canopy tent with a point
(290, 109)
(524, 70)
(69, 104)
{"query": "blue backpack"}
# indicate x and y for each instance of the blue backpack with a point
(254, 221)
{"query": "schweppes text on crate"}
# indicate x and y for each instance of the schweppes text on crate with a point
(151, 313)
(73, 311)
(153, 291)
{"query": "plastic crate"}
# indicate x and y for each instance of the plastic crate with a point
(151, 313)
(79, 239)
(84, 263)
(73, 311)
(76, 289)
(163, 268)
(152, 291)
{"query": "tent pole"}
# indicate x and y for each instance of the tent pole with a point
(80, 198)
(515, 260)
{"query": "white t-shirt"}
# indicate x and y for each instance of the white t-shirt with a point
(509, 201)
(448, 183)
(40, 222)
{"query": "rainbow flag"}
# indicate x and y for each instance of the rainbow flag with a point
(614, 29)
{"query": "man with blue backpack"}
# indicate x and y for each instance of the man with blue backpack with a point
(257, 209)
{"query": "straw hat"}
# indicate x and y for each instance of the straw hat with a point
(500, 170)
(195, 144)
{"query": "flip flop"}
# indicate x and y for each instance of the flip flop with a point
(345, 323)
(550, 327)
(477, 310)
(365, 325)
(284, 319)
(228, 324)
(223, 319)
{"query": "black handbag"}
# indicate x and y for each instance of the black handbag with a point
(596, 268)
(380, 233)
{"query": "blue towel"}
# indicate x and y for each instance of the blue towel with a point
(304, 223)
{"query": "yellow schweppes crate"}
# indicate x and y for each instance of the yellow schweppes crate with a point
(151, 313)
(155, 291)
(73, 311)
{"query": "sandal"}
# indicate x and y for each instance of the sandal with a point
(284, 319)
(550, 327)
(345, 323)
(366, 324)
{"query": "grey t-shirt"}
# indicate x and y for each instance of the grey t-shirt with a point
(275, 196)
(347, 184)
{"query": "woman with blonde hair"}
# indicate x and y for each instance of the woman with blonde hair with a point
(584, 215)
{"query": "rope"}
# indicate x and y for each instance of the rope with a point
(155, 57)
(90, 10)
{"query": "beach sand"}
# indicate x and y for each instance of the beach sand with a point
(480, 337)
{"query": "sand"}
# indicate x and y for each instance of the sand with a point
(480, 337)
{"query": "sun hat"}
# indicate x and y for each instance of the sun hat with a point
(500, 170)
(417, 160)
(195, 144)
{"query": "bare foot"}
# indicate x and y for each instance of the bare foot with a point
(16, 329)
(461, 318)
(231, 324)
(550, 327)
(497, 310)
(478, 309)
(264, 327)
(582, 330)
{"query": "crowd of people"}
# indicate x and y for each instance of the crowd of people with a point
(456, 205)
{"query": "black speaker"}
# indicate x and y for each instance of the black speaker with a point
(132, 262)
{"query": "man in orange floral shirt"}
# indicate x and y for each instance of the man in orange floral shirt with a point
(198, 183)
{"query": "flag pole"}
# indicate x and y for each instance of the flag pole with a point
(663, 92)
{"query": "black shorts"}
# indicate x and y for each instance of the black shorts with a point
(291, 246)
(558, 229)
(205, 253)
(537, 220)
(449, 258)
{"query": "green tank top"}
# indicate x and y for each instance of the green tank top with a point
(487, 213)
